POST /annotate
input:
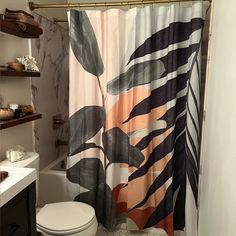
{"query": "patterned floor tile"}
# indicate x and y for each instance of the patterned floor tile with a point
(104, 232)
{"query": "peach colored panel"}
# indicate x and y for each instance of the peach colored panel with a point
(142, 184)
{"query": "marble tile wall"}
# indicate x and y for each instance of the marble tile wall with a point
(50, 91)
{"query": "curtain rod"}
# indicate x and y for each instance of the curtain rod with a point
(34, 6)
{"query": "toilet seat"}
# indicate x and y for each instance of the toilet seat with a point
(65, 218)
(65, 232)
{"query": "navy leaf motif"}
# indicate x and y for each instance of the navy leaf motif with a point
(163, 209)
(162, 149)
(179, 181)
(183, 161)
(176, 32)
(169, 117)
(159, 96)
(157, 154)
(179, 209)
(157, 183)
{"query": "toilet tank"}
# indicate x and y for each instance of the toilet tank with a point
(32, 161)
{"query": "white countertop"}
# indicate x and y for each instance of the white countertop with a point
(17, 180)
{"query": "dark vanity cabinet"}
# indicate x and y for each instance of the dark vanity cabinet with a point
(18, 216)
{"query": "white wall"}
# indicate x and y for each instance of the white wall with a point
(218, 181)
(14, 90)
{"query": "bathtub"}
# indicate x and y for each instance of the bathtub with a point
(53, 184)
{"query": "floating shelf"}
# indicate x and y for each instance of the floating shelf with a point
(13, 29)
(18, 121)
(13, 73)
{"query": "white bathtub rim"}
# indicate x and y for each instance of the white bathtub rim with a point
(54, 163)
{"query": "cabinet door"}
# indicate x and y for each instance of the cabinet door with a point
(18, 215)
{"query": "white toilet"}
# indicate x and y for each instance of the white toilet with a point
(60, 218)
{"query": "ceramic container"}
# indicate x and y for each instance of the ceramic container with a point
(6, 113)
(16, 66)
(27, 109)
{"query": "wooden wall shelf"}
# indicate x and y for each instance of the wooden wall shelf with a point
(13, 29)
(13, 73)
(18, 121)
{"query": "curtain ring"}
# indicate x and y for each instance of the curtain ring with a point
(153, 5)
(94, 8)
(130, 6)
(107, 6)
(68, 8)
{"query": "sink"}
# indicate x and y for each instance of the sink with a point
(17, 180)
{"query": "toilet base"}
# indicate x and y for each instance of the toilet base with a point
(90, 231)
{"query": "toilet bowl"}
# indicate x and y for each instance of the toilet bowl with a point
(67, 218)
(61, 218)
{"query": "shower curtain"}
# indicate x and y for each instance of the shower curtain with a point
(135, 81)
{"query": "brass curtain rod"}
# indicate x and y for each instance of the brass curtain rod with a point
(34, 6)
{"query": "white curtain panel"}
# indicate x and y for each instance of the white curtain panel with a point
(134, 115)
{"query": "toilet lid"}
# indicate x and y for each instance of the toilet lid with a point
(65, 216)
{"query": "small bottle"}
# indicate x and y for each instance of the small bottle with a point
(18, 113)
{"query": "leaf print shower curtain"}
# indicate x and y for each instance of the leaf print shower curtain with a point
(134, 115)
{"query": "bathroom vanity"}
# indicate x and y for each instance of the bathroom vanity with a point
(17, 202)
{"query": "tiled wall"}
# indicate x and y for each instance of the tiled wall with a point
(50, 91)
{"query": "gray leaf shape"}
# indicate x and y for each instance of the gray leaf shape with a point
(101, 199)
(86, 146)
(88, 172)
(138, 74)
(118, 149)
(84, 124)
(84, 43)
